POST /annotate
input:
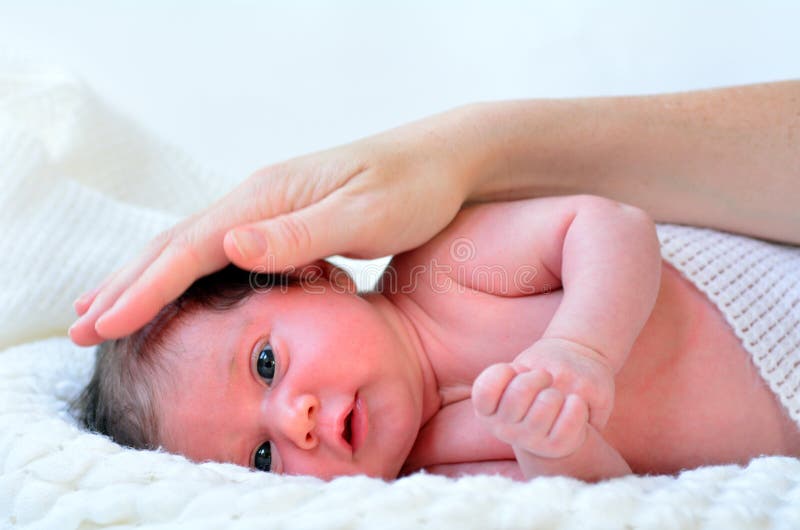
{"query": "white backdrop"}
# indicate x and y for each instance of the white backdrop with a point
(240, 84)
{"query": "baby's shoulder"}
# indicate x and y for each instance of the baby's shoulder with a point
(458, 242)
(495, 248)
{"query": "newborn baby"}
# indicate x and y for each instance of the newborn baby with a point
(529, 338)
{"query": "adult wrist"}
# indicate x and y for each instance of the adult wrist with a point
(544, 147)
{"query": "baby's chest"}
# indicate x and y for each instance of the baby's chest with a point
(465, 331)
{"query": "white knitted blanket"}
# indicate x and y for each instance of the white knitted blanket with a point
(81, 189)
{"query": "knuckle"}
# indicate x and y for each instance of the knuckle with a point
(483, 381)
(518, 389)
(585, 387)
(481, 401)
(162, 239)
(186, 247)
(293, 232)
(562, 374)
(550, 398)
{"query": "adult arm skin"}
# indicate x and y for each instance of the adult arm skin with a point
(725, 158)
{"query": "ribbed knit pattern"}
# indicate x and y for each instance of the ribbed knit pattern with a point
(756, 286)
(82, 190)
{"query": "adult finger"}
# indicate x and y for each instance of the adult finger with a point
(293, 239)
(83, 332)
(186, 259)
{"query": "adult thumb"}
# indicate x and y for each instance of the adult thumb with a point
(288, 241)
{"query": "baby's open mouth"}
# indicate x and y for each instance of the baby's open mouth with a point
(347, 433)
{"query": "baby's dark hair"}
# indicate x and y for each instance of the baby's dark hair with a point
(120, 400)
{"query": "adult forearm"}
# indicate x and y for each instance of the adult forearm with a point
(725, 158)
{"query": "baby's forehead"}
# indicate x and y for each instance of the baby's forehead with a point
(295, 302)
(221, 319)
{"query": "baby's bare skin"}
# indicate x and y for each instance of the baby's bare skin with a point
(688, 394)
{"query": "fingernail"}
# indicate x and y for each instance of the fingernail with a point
(249, 243)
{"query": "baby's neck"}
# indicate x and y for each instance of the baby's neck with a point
(409, 339)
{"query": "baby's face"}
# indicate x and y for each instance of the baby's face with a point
(300, 382)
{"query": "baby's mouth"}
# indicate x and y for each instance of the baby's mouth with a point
(347, 433)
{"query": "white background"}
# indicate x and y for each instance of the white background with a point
(244, 83)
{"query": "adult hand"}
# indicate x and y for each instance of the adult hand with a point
(377, 196)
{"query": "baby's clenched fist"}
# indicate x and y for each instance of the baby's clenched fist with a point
(524, 410)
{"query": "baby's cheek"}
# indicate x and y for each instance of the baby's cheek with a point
(363, 338)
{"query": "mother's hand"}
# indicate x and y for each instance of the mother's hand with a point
(377, 196)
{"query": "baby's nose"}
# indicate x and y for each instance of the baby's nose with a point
(300, 420)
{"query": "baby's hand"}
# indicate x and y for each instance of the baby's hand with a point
(544, 400)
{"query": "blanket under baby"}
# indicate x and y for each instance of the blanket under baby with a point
(82, 188)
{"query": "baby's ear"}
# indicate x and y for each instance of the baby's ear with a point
(324, 270)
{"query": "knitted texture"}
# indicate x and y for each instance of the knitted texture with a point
(82, 190)
(756, 286)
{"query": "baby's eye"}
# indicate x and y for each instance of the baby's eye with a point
(263, 458)
(265, 363)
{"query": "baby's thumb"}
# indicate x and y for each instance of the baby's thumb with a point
(286, 242)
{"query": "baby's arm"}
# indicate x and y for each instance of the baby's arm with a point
(531, 416)
(610, 270)
(594, 460)
(604, 254)
(606, 257)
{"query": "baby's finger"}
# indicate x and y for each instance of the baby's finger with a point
(600, 412)
(520, 395)
(569, 430)
(489, 386)
(543, 413)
